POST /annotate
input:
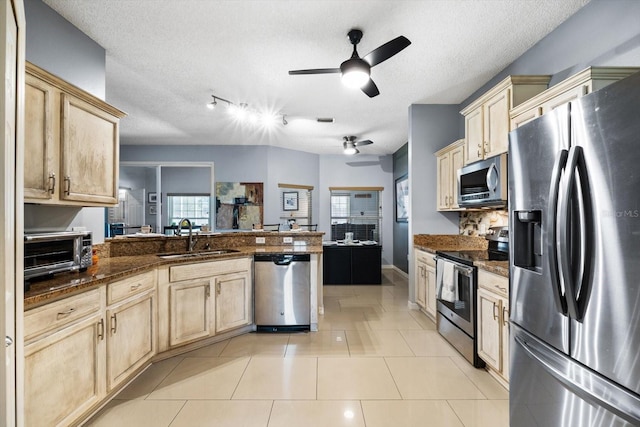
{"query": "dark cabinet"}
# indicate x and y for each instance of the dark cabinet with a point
(352, 265)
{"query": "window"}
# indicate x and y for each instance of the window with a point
(195, 207)
(357, 211)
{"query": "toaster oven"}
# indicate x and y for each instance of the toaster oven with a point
(50, 253)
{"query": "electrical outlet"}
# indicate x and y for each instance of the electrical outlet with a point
(287, 240)
(260, 241)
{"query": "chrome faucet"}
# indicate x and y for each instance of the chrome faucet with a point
(191, 242)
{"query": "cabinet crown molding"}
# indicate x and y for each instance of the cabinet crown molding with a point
(515, 80)
(452, 146)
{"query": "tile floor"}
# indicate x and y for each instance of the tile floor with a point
(374, 363)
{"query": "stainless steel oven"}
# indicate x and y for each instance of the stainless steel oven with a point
(456, 306)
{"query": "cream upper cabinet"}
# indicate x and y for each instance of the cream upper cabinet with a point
(425, 281)
(487, 122)
(64, 359)
(449, 160)
(570, 89)
(131, 336)
(493, 323)
(71, 144)
(233, 301)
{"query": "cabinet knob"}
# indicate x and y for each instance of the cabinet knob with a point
(52, 183)
(505, 316)
(496, 315)
(67, 181)
(114, 324)
(101, 329)
(8, 341)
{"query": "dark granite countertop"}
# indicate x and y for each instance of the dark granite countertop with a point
(114, 268)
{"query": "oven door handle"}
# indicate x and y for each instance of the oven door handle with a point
(464, 270)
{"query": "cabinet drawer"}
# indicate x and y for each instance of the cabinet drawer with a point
(117, 291)
(199, 270)
(493, 282)
(60, 313)
(426, 257)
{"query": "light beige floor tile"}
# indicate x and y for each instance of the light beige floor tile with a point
(400, 304)
(431, 378)
(482, 413)
(377, 343)
(343, 321)
(318, 344)
(255, 344)
(139, 413)
(224, 413)
(362, 301)
(428, 343)
(147, 381)
(202, 378)
(355, 378)
(343, 413)
(423, 320)
(278, 378)
(337, 290)
(392, 320)
(212, 350)
(489, 386)
(409, 413)
(331, 304)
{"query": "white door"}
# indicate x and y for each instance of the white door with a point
(11, 183)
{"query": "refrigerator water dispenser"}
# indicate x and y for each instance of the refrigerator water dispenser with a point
(527, 230)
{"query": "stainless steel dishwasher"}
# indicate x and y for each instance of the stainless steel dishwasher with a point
(282, 292)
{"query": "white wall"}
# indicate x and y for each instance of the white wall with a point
(359, 171)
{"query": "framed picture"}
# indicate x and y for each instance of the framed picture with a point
(153, 210)
(290, 201)
(152, 197)
(402, 199)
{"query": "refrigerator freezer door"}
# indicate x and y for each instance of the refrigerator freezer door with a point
(535, 150)
(550, 389)
(606, 124)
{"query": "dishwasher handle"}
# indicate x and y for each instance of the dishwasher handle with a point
(282, 259)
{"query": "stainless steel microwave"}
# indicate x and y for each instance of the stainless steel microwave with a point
(484, 183)
(49, 253)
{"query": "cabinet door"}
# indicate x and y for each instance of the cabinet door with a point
(90, 150)
(489, 328)
(444, 181)
(456, 161)
(565, 97)
(474, 136)
(526, 117)
(189, 311)
(505, 338)
(496, 124)
(131, 337)
(64, 373)
(421, 283)
(233, 301)
(430, 285)
(39, 162)
(366, 265)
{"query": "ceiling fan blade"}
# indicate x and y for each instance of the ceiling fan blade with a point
(315, 71)
(387, 50)
(371, 89)
(365, 142)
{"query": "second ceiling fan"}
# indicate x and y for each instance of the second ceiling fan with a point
(356, 71)
(350, 144)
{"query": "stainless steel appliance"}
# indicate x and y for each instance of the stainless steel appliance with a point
(574, 270)
(456, 302)
(483, 183)
(49, 253)
(282, 292)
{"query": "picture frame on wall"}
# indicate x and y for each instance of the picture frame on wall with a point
(152, 197)
(153, 210)
(290, 201)
(402, 199)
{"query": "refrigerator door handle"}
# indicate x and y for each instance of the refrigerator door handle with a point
(581, 381)
(552, 250)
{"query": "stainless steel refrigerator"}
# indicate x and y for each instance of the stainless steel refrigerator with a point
(574, 205)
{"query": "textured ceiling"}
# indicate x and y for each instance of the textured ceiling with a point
(165, 58)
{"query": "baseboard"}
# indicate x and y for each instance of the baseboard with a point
(413, 305)
(396, 269)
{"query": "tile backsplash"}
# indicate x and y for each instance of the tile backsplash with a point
(477, 222)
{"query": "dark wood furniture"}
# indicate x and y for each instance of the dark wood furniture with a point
(352, 264)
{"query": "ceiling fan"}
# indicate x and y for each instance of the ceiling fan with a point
(350, 144)
(356, 71)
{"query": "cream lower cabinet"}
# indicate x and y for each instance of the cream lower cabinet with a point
(493, 323)
(203, 299)
(449, 160)
(64, 359)
(425, 280)
(71, 141)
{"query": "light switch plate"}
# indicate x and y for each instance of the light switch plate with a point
(287, 240)
(260, 241)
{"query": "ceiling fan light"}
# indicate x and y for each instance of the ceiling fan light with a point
(350, 149)
(355, 73)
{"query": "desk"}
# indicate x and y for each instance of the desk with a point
(352, 264)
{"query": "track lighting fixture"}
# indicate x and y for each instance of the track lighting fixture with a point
(243, 113)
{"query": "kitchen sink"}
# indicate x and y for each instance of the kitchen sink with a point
(179, 255)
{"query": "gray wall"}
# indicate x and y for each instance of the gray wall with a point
(401, 229)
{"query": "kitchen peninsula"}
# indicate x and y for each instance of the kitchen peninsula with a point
(148, 298)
